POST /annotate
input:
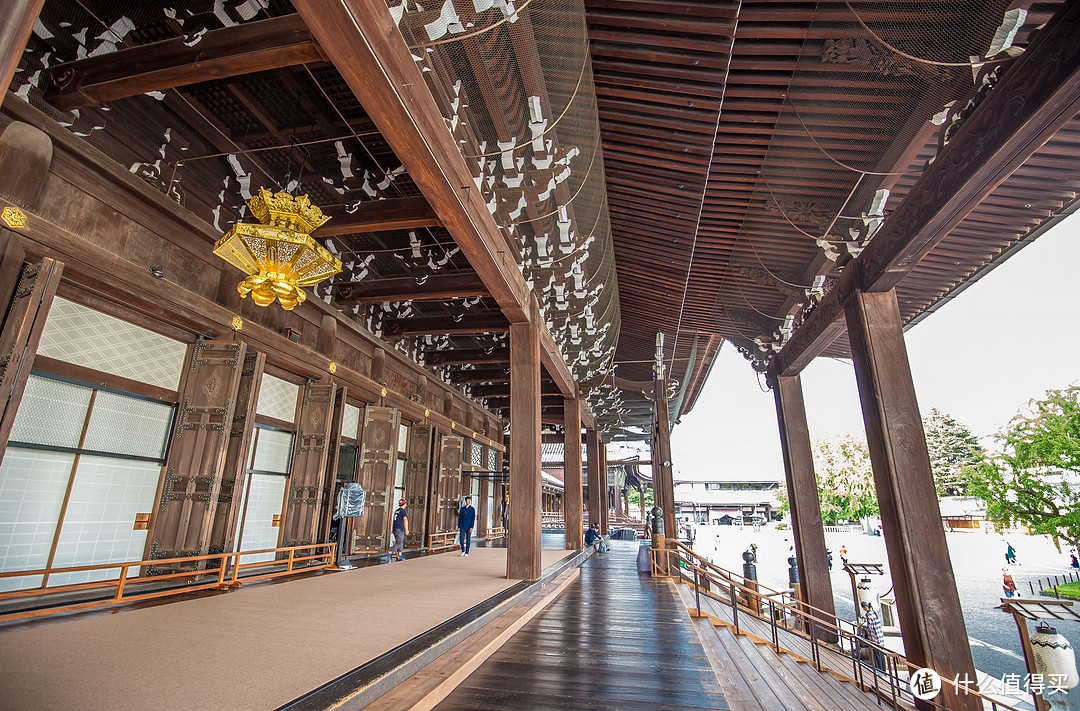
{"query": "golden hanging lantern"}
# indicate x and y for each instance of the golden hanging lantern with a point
(279, 256)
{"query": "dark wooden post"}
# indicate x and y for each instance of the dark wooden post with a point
(572, 473)
(605, 490)
(15, 32)
(925, 588)
(663, 480)
(815, 587)
(523, 559)
(596, 488)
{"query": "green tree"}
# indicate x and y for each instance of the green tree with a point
(1027, 482)
(634, 497)
(845, 479)
(954, 452)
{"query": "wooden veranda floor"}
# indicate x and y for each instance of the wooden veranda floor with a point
(613, 640)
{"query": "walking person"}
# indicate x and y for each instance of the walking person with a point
(399, 530)
(874, 632)
(1010, 554)
(843, 554)
(1008, 585)
(466, 519)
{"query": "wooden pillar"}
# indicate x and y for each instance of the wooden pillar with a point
(663, 480)
(924, 585)
(596, 488)
(605, 507)
(815, 586)
(572, 473)
(523, 559)
(15, 32)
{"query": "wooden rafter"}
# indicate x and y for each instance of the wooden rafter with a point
(230, 51)
(379, 216)
(442, 325)
(462, 356)
(361, 38)
(1037, 97)
(436, 287)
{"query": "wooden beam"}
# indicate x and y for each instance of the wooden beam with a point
(465, 356)
(362, 40)
(927, 603)
(814, 583)
(230, 51)
(379, 216)
(15, 29)
(433, 288)
(481, 375)
(546, 388)
(1038, 95)
(523, 555)
(441, 325)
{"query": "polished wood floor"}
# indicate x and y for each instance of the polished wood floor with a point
(615, 639)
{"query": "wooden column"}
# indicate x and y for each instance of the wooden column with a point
(15, 32)
(523, 559)
(663, 481)
(572, 474)
(605, 500)
(596, 487)
(814, 582)
(925, 588)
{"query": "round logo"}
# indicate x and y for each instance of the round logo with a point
(925, 684)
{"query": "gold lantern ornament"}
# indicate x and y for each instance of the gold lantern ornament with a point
(279, 256)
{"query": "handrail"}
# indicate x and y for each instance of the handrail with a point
(692, 569)
(222, 579)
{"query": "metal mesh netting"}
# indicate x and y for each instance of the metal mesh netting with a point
(514, 84)
(897, 73)
(515, 87)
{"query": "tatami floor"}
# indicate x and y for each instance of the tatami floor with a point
(254, 648)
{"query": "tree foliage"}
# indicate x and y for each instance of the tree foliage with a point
(845, 479)
(954, 452)
(634, 497)
(1028, 482)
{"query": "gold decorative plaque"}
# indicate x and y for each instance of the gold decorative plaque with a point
(237, 323)
(384, 392)
(332, 368)
(14, 217)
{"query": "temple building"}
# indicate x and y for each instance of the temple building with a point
(269, 268)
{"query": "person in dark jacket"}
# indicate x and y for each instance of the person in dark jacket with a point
(594, 539)
(466, 519)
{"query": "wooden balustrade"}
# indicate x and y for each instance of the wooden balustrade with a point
(226, 575)
(780, 610)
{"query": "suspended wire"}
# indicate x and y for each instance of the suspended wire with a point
(476, 33)
(921, 60)
(704, 190)
(342, 118)
(824, 152)
(555, 122)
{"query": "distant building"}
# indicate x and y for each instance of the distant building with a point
(730, 502)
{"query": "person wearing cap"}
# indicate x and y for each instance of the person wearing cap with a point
(594, 539)
(466, 519)
(400, 529)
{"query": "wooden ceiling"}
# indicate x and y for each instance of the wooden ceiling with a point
(743, 145)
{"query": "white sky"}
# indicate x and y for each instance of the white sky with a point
(1006, 339)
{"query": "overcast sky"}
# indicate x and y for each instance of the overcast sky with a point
(1007, 338)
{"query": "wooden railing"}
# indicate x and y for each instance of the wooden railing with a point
(442, 540)
(494, 534)
(219, 577)
(781, 610)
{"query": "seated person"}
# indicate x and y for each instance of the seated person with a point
(594, 539)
